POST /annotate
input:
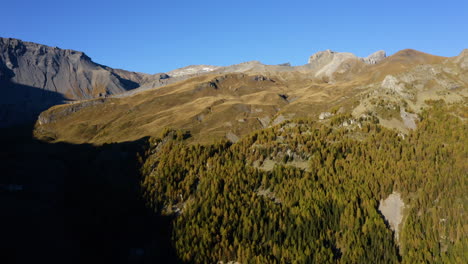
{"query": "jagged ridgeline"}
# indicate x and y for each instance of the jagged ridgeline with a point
(308, 192)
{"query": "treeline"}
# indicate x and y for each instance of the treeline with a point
(228, 208)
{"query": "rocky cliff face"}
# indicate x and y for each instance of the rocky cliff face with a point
(324, 57)
(67, 72)
(34, 77)
(375, 57)
(462, 60)
(327, 63)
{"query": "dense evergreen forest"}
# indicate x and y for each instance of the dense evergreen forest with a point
(228, 205)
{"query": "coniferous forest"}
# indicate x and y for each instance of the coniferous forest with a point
(308, 191)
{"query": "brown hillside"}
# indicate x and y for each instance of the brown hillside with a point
(229, 105)
(400, 62)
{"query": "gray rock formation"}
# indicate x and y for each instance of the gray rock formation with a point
(321, 57)
(326, 63)
(34, 77)
(393, 84)
(462, 59)
(375, 57)
(67, 72)
(324, 57)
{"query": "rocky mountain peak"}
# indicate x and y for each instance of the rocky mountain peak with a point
(375, 57)
(34, 77)
(321, 55)
(326, 63)
(328, 55)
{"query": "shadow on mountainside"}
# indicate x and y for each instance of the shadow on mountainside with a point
(21, 104)
(65, 203)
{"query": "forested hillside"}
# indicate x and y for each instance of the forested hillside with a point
(308, 191)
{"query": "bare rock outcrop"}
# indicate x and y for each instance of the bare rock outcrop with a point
(393, 84)
(462, 59)
(375, 57)
(328, 62)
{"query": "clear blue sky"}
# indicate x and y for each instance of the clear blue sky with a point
(158, 36)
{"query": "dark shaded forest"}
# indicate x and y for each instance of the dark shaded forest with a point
(65, 203)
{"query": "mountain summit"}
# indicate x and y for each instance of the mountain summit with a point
(68, 72)
(329, 62)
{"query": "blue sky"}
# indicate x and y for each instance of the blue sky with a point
(158, 36)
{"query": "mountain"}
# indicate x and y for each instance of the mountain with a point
(34, 77)
(318, 66)
(341, 160)
(232, 101)
(68, 72)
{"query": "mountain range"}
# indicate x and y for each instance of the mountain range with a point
(344, 159)
(98, 104)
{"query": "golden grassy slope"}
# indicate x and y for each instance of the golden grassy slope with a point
(230, 105)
